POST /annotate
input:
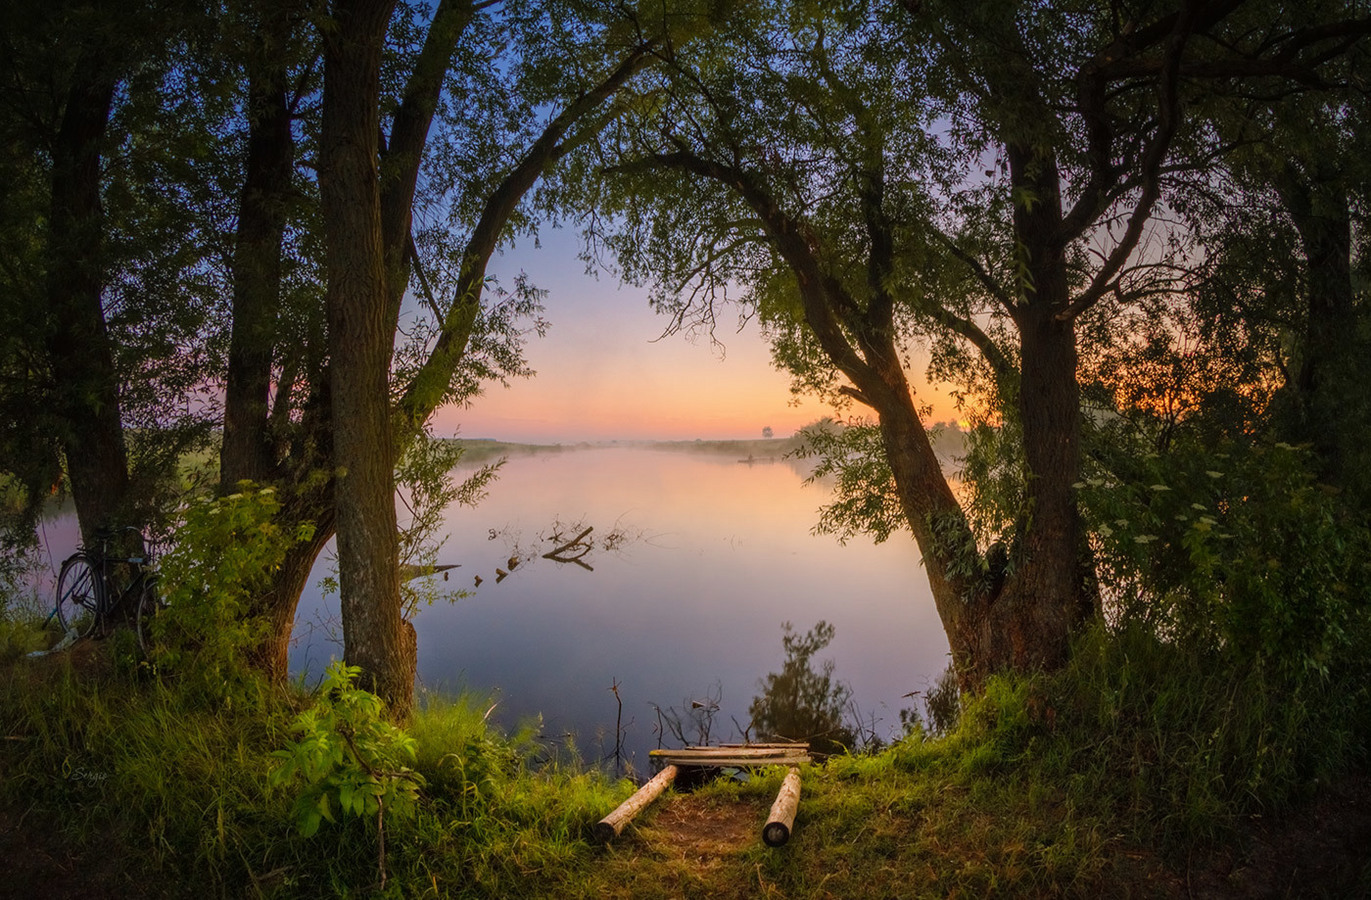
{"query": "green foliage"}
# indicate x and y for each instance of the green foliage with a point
(800, 702)
(225, 554)
(348, 757)
(424, 479)
(170, 791)
(865, 498)
(1061, 785)
(19, 636)
(1236, 551)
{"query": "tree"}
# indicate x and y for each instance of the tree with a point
(376, 636)
(982, 175)
(463, 135)
(1282, 235)
(801, 703)
(98, 226)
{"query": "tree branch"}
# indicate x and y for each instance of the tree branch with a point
(429, 385)
(1168, 120)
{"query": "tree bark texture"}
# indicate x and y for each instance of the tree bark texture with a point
(376, 636)
(79, 347)
(1029, 624)
(262, 205)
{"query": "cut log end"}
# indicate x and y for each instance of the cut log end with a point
(776, 834)
(778, 824)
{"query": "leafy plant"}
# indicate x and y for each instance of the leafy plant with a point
(865, 500)
(1236, 550)
(350, 759)
(226, 551)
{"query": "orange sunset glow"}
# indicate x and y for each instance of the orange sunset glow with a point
(604, 371)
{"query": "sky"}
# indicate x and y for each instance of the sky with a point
(603, 373)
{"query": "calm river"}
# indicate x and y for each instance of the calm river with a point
(710, 555)
(715, 555)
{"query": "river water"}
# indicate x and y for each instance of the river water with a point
(708, 557)
(696, 560)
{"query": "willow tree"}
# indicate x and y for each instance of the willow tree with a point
(1285, 235)
(436, 129)
(981, 175)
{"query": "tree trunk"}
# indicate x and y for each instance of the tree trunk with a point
(78, 342)
(1330, 383)
(277, 607)
(376, 636)
(940, 529)
(246, 452)
(1046, 599)
(1028, 624)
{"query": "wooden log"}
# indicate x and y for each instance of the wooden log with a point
(777, 829)
(613, 824)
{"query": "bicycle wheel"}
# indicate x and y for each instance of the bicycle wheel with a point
(149, 605)
(80, 595)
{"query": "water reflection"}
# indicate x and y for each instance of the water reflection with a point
(802, 703)
(719, 554)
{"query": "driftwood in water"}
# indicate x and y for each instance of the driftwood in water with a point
(613, 824)
(572, 550)
(409, 571)
(782, 818)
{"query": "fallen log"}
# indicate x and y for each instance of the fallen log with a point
(613, 824)
(782, 818)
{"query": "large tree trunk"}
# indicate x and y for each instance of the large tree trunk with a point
(246, 451)
(376, 636)
(1028, 624)
(78, 342)
(940, 530)
(1046, 598)
(1330, 383)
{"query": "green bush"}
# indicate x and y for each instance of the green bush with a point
(225, 553)
(1236, 552)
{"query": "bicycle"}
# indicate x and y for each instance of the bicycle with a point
(88, 590)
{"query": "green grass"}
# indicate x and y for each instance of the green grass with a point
(1108, 775)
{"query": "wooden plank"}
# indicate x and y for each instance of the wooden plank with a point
(715, 762)
(613, 824)
(745, 752)
(782, 818)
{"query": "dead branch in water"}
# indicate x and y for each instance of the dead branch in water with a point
(572, 551)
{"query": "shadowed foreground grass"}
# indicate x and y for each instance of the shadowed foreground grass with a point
(1109, 779)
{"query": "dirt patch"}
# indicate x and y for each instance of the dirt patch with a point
(36, 864)
(705, 830)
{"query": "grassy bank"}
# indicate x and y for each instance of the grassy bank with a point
(1114, 776)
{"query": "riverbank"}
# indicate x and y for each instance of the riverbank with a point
(115, 783)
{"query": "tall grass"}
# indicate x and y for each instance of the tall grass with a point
(1138, 753)
(122, 764)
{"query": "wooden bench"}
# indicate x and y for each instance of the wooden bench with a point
(779, 822)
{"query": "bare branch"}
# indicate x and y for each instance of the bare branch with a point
(1168, 120)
